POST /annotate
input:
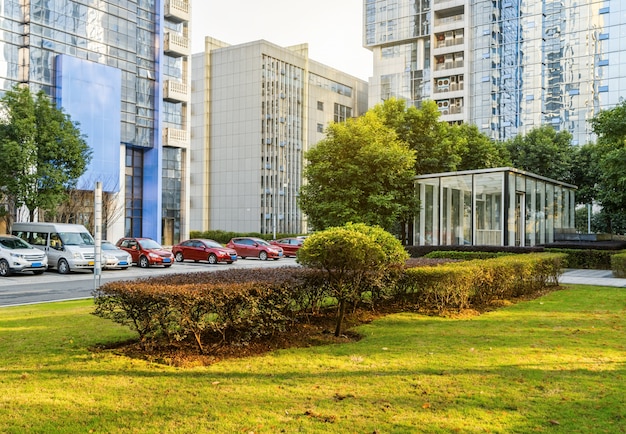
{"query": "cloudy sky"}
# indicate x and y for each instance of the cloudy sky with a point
(332, 28)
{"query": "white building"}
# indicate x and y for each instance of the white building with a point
(256, 109)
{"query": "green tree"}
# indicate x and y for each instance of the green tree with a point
(361, 172)
(354, 257)
(42, 152)
(477, 150)
(545, 152)
(609, 155)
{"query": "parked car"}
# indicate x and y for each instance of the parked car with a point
(114, 257)
(203, 250)
(17, 256)
(255, 247)
(290, 246)
(146, 252)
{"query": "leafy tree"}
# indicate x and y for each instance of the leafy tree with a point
(477, 150)
(607, 167)
(361, 172)
(355, 258)
(545, 152)
(42, 152)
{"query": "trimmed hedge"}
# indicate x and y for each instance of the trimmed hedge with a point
(587, 258)
(465, 256)
(238, 306)
(618, 264)
(419, 251)
(458, 285)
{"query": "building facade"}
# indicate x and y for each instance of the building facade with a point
(256, 109)
(505, 66)
(120, 69)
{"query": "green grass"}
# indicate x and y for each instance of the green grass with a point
(556, 364)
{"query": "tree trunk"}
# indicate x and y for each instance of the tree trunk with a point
(340, 314)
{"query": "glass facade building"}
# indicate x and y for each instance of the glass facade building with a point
(119, 69)
(505, 66)
(493, 207)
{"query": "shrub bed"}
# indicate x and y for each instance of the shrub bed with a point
(237, 307)
(594, 259)
(418, 251)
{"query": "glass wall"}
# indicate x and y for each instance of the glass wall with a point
(495, 207)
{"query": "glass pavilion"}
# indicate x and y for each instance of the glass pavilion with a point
(493, 207)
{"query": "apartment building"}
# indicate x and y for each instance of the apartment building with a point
(256, 109)
(506, 66)
(121, 70)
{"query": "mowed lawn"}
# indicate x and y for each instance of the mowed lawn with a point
(556, 364)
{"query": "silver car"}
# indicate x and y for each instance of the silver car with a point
(112, 257)
(17, 256)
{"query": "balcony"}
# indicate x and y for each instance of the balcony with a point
(175, 138)
(177, 10)
(176, 45)
(175, 91)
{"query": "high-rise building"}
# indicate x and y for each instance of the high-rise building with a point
(120, 69)
(507, 66)
(256, 108)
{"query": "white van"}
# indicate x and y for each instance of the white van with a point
(69, 247)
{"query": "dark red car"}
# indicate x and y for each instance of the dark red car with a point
(290, 246)
(203, 250)
(248, 247)
(146, 252)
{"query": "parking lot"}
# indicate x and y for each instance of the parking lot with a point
(27, 288)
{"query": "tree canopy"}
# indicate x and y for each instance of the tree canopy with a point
(361, 172)
(42, 152)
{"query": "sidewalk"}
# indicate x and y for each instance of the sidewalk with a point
(591, 277)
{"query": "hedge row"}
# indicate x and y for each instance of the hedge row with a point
(225, 236)
(464, 256)
(594, 259)
(240, 306)
(459, 285)
(618, 264)
(419, 251)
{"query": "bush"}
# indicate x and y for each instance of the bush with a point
(419, 251)
(586, 258)
(618, 264)
(465, 256)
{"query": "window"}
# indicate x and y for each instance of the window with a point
(320, 128)
(320, 105)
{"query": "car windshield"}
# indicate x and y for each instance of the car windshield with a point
(262, 242)
(14, 243)
(76, 238)
(149, 244)
(108, 246)
(213, 244)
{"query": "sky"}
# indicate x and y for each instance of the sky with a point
(332, 28)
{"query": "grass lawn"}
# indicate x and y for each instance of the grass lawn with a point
(556, 364)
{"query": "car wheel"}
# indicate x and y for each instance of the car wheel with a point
(38, 272)
(143, 262)
(5, 270)
(63, 267)
(179, 257)
(263, 255)
(212, 258)
(229, 262)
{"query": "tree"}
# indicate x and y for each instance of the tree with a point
(423, 132)
(609, 170)
(477, 150)
(354, 258)
(360, 172)
(545, 152)
(42, 152)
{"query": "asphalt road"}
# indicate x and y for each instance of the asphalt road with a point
(20, 289)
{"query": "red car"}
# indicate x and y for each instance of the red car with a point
(204, 250)
(146, 252)
(255, 248)
(290, 246)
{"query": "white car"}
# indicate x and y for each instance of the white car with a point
(113, 257)
(17, 256)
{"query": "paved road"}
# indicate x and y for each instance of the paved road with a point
(27, 288)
